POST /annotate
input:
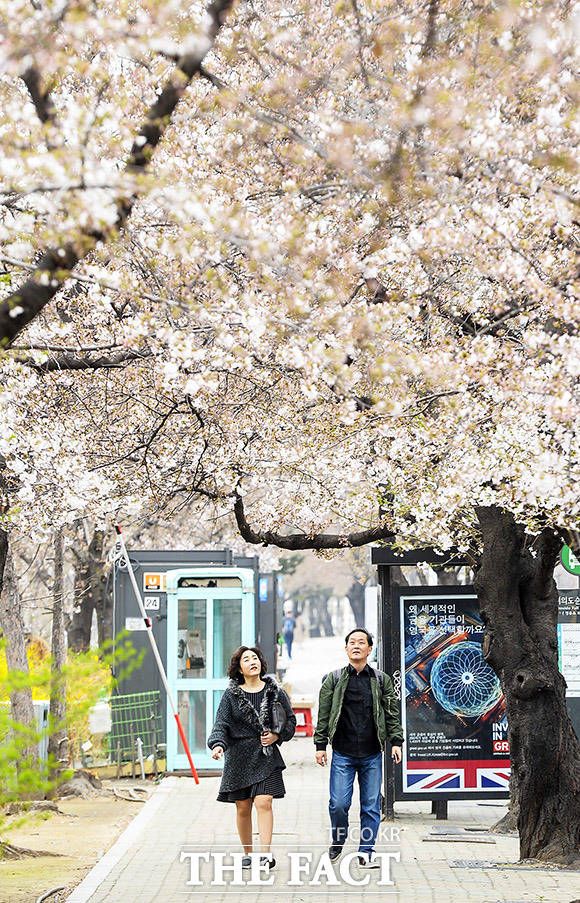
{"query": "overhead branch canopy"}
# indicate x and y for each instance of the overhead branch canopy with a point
(55, 266)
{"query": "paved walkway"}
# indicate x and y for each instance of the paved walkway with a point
(145, 864)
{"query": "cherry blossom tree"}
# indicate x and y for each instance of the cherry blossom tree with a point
(335, 272)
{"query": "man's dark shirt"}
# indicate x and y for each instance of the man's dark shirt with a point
(356, 734)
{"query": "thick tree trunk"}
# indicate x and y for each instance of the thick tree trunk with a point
(519, 606)
(90, 590)
(57, 743)
(12, 624)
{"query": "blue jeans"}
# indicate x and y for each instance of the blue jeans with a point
(342, 771)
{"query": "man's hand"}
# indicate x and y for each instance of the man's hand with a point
(396, 753)
(321, 756)
(217, 752)
(268, 738)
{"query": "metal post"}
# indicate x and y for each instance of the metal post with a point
(139, 743)
(154, 743)
(440, 809)
(132, 744)
(387, 666)
(118, 775)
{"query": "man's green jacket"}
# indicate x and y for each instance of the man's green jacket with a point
(385, 709)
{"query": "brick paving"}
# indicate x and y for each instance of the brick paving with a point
(189, 818)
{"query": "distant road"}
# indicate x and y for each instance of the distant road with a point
(312, 658)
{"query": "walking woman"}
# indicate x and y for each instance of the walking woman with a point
(254, 716)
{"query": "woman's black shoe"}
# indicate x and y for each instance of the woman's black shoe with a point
(266, 858)
(334, 852)
(246, 862)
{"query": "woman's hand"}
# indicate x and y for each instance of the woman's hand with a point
(217, 752)
(268, 738)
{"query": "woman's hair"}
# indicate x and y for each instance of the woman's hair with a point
(234, 667)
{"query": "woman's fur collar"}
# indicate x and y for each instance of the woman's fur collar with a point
(260, 721)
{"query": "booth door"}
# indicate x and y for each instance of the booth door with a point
(204, 627)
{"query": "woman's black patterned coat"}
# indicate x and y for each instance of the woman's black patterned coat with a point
(237, 729)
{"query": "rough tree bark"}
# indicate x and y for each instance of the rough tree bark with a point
(57, 742)
(90, 595)
(519, 606)
(3, 555)
(12, 624)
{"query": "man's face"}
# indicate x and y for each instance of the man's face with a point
(358, 648)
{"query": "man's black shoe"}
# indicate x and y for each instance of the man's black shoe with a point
(334, 852)
(368, 861)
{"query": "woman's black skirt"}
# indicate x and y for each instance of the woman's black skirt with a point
(273, 784)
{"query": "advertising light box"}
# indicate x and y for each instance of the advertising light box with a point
(453, 709)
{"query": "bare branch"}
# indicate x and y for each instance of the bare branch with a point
(295, 541)
(81, 362)
(359, 29)
(65, 349)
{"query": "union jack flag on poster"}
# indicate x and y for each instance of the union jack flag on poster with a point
(441, 776)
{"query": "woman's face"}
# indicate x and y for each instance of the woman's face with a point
(250, 665)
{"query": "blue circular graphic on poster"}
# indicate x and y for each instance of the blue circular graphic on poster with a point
(463, 683)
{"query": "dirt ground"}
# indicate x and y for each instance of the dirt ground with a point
(81, 837)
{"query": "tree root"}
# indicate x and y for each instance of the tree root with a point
(507, 824)
(130, 795)
(84, 784)
(11, 851)
(50, 893)
(18, 808)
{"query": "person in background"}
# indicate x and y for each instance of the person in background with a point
(357, 712)
(288, 632)
(243, 733)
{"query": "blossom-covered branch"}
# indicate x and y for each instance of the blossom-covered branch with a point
(55, 266)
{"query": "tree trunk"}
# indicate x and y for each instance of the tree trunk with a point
(90, 586)
(356, 598)
(320, 616)
(12, 624)
(519, 606)
(446, 576)
(3, 555)
(104, 609)
(58, 743)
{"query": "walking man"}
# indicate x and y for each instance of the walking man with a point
(357, 711)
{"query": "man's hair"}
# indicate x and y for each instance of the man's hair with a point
(368, 635)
